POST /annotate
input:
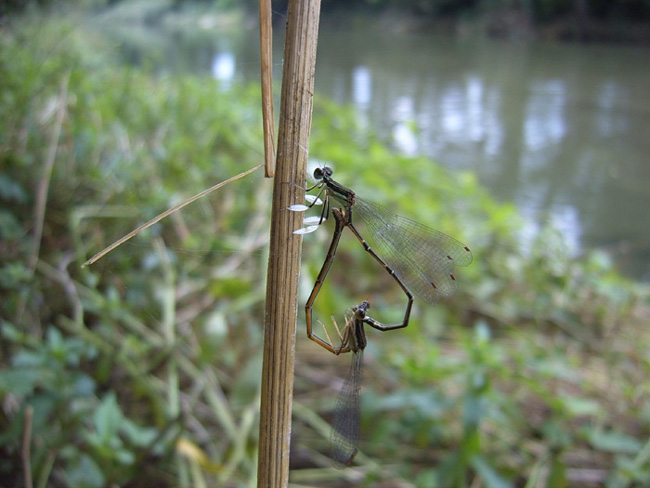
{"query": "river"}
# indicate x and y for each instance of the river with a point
(561, 130)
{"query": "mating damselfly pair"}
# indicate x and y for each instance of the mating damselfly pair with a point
(420, 259)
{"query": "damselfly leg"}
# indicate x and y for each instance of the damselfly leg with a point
(342, 221)
(419, 258)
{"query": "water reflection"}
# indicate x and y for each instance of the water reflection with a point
(609, 97)
(453, 117)
(223, 67)
(404, 137)
(564, 218)
(563, 131)
(361, 88)
(545, 123)
(362, 93)
(475, 110)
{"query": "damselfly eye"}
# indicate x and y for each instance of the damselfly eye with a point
(324, 172)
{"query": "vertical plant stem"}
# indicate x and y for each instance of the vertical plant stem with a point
(44, 183)
(285, 247)
(26, 450)
(266, 61)
(168, 304)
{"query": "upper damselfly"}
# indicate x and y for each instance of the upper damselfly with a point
(420, 259)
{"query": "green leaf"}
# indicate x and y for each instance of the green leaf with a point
(11, 190)
(582, 406)
(9, 226)
(13, 274)
(85, 473)
(557, 474)
(108, 419)
(139, 436)
(19, 382)
(611, 441)
(490, 475)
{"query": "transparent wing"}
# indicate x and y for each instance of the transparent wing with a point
(310, 224)
(345, 424)
(423, 258)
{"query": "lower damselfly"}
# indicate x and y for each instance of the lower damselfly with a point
(344, 442)
(420, 259)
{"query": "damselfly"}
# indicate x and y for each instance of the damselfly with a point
(344, 442)
(420, 259)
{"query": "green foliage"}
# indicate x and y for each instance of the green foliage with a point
(520, 390)
(144, 368)
(92, 350)
(48, 377)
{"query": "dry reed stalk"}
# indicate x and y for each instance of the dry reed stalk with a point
(285, 247)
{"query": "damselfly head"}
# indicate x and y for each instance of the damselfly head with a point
(324, 172)
(315, 169)
(360, 310)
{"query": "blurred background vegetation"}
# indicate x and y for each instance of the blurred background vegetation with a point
(144, 369)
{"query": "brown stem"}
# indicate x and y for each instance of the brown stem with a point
(285, 247)
(266, 45)
(27, 442)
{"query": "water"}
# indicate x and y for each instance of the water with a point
(562, 130)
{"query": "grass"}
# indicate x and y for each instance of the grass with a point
(144, 368)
